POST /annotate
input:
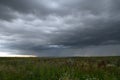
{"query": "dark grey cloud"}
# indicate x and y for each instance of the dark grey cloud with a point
(60, 28)
(45, 8)
(41, 8)
(104, 33)
(6, 13)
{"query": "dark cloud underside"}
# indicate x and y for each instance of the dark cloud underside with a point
(60, 27)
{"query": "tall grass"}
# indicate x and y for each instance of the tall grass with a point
(59, 69)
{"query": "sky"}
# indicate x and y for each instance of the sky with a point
(60, 27)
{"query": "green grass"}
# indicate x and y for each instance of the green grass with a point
(74, 68)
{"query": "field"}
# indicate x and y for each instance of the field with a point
(73, 68)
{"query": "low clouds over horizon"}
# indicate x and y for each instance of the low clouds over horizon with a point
(60, 28)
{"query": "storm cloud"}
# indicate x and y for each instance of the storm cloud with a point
(60, 28)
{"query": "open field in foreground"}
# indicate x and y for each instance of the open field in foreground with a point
(76, 68)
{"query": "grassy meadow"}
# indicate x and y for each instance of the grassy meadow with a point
(72, 68)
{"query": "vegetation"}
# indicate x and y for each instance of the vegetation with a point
(74, 68)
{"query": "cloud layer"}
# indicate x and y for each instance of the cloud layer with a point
(60, 28)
